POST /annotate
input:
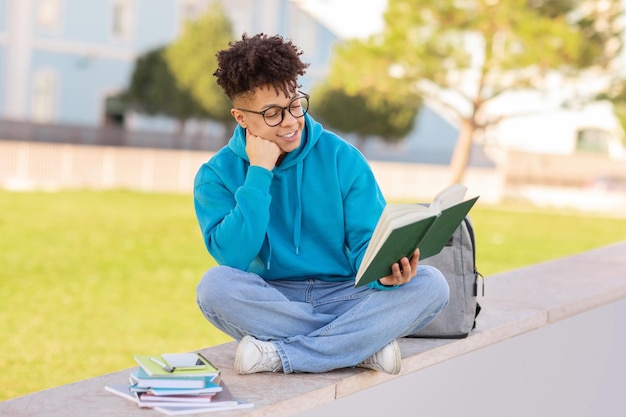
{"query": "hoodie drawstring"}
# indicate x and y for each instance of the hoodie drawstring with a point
(297, 222)
(297, 225)
(269, 250)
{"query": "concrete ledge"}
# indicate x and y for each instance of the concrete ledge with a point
(516, 302)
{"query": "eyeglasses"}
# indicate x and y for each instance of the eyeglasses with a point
(273, 116)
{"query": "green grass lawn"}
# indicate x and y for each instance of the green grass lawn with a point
(87, 279)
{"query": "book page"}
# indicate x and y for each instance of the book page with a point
(448, 197)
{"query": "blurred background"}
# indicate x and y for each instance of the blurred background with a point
(518, 100)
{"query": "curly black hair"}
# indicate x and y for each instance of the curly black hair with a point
(258, 61)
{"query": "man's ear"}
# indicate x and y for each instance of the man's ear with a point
(239, 117)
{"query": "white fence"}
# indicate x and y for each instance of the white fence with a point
(49, 166)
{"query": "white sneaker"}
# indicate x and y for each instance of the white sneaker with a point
(256, 356)
(388, 359)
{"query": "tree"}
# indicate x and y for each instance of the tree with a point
(360, 95)
(363, 114)
(153, 90)
(460, 55)
(192, 60)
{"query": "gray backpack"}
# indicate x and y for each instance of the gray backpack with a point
(457, 262)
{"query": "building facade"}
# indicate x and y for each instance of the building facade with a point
(61, 59)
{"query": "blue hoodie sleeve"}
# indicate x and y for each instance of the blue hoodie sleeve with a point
(233, 224)
(363, 203)
(376, 285)
(363, 206)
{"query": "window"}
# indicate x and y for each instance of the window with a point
(44, 95)
(593, 140)
(121, 24)
(49, 14)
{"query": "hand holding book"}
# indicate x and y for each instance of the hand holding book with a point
(403, 228)
(402, 271)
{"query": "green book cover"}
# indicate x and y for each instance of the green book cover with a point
(429, 234)
(443, 228)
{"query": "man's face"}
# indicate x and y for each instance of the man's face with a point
(287, 134)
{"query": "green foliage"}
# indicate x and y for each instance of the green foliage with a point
(356, 114)
(441, 41)
(361, 96)
(600, 26)
(90, 278)
(192, 60)
(462, 54)
(154, 91)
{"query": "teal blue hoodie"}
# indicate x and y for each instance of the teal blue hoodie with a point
(310, 217)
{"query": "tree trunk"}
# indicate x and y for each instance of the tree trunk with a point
(462, 150)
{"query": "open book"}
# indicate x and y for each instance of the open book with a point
(402, 228)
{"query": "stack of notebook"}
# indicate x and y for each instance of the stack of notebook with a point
(177, 383)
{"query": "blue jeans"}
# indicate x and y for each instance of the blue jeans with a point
(315, 325)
